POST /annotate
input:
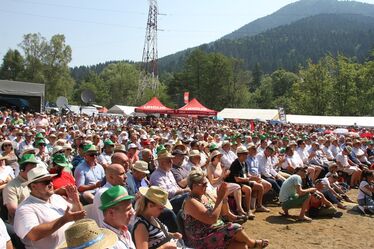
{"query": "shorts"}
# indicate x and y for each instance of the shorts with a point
(295, 201)
(350, 170)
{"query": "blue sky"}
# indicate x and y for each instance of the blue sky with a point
(103, 30)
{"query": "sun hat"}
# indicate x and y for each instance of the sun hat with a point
(141, 166)
(7, 142)
(214, 154)
(86, 233)
(226, 142)
(156, 195)
(194, 153)
(120, 148)
(37, 173)
(57, 149)
(241, 150)
(113, 196)
(28, 158)
(164, 154)
(178, 152)
(88, 148)
(132, 146)
(251, 146)
(67, 146)
(27, 149)
(61, 160)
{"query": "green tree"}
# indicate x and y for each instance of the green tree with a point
(12, 67)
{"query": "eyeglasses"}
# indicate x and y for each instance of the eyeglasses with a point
(7, 145)
(92, 155)
(45, 182)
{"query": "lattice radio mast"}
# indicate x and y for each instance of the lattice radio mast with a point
(149, 71)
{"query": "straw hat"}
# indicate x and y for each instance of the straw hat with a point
(27, 149)
(120, 148)
(251, 146)
(36, 174)
(141, 166)
(85, 233)
(8, 142)
(57, 149)
(241, 150)
(164, 154)
(156, 195)
(214, 154)
(113, 196)
(194, 153)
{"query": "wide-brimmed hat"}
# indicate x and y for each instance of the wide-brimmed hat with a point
(251, 146)
(86, 233)
(61, 160)
(89, 148)
(8, 142)
(214, 154)
(113, 196)
(180, 145)
(164, 154)
(178, 152)
(29, 148)
(67, 146)
(194, 153)
(141, 166)
(36, 174)
(28, 158)
(156, 195)
(57, 149)
(120, 148)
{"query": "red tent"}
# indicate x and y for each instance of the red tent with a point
(194, 107)
(154, 106)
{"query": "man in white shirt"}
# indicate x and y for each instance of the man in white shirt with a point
(347, 166)
(228, 156)
(41, 219)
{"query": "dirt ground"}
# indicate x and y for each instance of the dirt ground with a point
(351, 231)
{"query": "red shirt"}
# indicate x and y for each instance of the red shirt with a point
(64, 179)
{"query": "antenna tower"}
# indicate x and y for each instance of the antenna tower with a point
(149, 71)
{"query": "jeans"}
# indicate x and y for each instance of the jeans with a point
(276, 184)
(330, 196)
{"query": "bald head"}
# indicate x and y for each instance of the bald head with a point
(116, 174)
(121, 159)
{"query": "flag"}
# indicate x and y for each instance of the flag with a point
(186, 97)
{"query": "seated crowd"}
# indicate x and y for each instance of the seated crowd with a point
(113, 182)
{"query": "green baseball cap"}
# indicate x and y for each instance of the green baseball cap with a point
(160, 149)
(262, 137)
(39, 136)
(61, 160)
(213, 146)
(113, 196)
(28, 158)
(40, 141)
(108, 143)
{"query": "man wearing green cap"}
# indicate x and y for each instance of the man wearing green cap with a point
(61, 167)
(105, 157)
(89, 174)
(117, 209)
(14, 193)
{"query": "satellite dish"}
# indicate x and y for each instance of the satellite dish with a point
(87, 96)
(61, 102)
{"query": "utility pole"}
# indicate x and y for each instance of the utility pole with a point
(149, 71)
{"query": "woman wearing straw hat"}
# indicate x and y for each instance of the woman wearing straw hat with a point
(202, 224)
(148, 231)
(8, 149)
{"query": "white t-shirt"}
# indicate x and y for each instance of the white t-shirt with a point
(294, 161)
(4, 236)
(33, 212)
(361, 194)
(342, 159)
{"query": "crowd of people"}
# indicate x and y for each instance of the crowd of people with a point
(76, 181)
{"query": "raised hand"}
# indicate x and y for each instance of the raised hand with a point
(72, 193)
(73, 216)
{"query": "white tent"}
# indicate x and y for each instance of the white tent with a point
(261, 114)
(331, 120)
(122, 109)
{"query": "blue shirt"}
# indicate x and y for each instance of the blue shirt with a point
(86, 175)
(252, 165)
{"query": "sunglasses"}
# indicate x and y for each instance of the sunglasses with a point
(45, 182)
(7, 145)
(92, 155)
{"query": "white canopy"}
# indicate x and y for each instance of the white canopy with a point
(122, 109)
(331, 120)
(261, 114)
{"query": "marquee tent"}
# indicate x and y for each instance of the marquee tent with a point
(154, 106)
(122, 109)
(260, 114)
(194, 107)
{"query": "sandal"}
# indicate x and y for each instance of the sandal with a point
(261, 243)
(240, 219)
(304, 219)
(250, 215)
